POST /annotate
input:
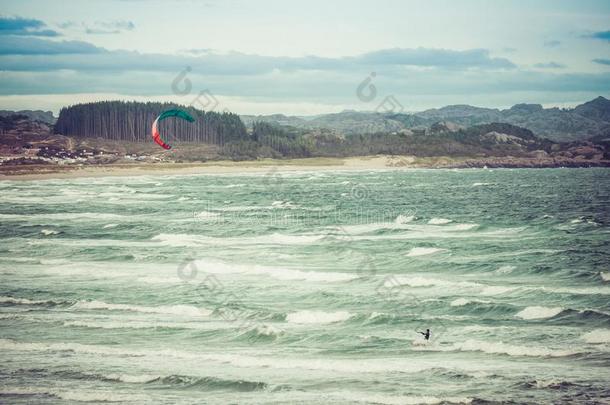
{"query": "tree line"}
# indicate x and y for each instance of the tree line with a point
(132, 121)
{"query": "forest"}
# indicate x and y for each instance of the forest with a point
(131, 121)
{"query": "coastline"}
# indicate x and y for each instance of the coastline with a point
(377, 162)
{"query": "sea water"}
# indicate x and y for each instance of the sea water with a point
(307, 287)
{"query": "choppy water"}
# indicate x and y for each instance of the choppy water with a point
(307, 287)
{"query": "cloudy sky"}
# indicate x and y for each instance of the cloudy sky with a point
(304, 57)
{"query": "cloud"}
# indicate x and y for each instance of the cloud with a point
(110, 27)
(552, 44)
(603, 35)
(328, 87)
(435, 57)
(234, 63)
(43, 66)
(100, 27)
(25, 27)
(602, 61)
(550, 65)
(33, 47)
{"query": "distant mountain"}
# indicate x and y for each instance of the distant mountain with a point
(35, 115)
(585, 121)
(597, 109)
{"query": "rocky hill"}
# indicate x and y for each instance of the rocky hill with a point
(46, 117)
(585, 121)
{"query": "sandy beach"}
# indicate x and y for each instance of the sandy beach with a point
(41, 172)
(377, 162)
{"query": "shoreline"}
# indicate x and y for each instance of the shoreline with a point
(378, 162)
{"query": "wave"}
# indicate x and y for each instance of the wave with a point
(597, 336)
(26, 301)
(536, 312)
(217, 267)
(73, 396)
(187, 310)
(498, 348)
(70, 216)
(505, 269)
(206, 215)
(262, 333)
(460, 302)
(362, 397)
(404, 219)
(604, 276)
(418, 281)
(211, 383)
(439, 221)
(189, 240)
(423, 251)
(317, 317)
(174, 380)
(552, 384)
(238, 360)
(496, 290)
(134, 324)
(283, 204)
(48, 232)
(414, 232)
(9, 344)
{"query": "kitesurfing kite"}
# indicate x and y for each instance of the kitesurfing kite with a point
(166, 114)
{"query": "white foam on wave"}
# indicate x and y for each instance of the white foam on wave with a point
(74, 396)
(152, 324)
(144, 378)
(190, 240)
(23, 301)
(107, 226)
(499, 348)
(206, 215)
(480, 184)
(70, 216)
(463, 227)
(216, 267)
(604, 275)
(423, 251)
(47, 232)
(460, 302)
(404, 219)
(267, 330)
(536, 312)
(597, 336)
(366, 397)
(418, 281)
(439, 221)
(505, 269)
(183, 310)
(8, 344)
(241, 360)
(313, 317)
(496, 290)
(283, 204)
(96, 396)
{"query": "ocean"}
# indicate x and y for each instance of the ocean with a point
(307, 287)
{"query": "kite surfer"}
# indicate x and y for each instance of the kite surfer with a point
(426, 334)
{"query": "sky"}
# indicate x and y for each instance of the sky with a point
(304, 57)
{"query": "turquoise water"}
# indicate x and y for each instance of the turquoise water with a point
(307, 288)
